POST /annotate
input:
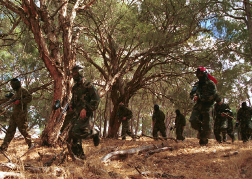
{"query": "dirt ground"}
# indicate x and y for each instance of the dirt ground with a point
(185, 159)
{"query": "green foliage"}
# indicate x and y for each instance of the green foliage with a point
(174, 37)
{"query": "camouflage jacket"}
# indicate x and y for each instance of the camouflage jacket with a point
(180, 121)
(24, 97)
(124, 112)
(206, 92)
(158, 117)
(244, 115)
(223, 108)
(85, 96)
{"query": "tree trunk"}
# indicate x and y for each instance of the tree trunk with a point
(114, 124)
(106, 116)
(248, 14)
(52, 129)
(137, 125)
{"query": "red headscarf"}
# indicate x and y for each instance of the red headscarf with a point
(208, 75)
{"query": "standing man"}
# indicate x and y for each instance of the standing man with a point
(244, 119)
(180, 123)
(204, 93)
(125, 114)
(19, 115)
(223, 123)
(84, 101)
(158, 120)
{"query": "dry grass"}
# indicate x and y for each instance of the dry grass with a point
(186, 160)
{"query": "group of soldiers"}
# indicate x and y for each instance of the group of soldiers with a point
(78, 123)
(205, 94)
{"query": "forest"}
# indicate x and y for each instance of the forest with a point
(139, 52)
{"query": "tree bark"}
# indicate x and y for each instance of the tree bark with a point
(47, 38)
(249, 24)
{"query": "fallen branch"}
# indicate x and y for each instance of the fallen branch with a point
(110, 149)
(151, 152)
(32, 147)
(49, 162)
(6, 156)
(124, 153)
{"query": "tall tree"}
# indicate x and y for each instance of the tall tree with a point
(56, 35)
(136, 44)
(232, 26)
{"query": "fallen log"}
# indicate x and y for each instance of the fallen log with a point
(6, 156)
(49, 162)
(32, 147)
(124, 153)
(110, 149)
(151, 152)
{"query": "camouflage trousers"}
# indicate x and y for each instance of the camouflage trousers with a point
(159, 127)
(179, 133)
(245, 131)
(17, 120)
(125, 129)
(200, 119)
(220, 128)
(81, 129)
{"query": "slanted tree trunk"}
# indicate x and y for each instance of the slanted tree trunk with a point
(45, 28)
(106, 115)
(114, 124)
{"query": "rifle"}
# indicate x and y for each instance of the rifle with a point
(9, 95)
(227, 115)
(2, 128)
(57, 105)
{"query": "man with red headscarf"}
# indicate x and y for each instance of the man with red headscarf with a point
(204, 92)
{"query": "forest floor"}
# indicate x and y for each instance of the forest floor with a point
(185, 159)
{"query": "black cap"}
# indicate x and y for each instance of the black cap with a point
(156, 107)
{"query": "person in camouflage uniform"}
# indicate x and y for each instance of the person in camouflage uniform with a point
(158, 119)
(180, 123)
(223, 123)
(85, 100)
(19, 115)
(124, 114)
(244, 119)
(204, 93)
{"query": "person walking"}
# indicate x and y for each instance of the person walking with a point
(19, 115)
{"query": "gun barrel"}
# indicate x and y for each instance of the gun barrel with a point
(8, 103)
(64, 110)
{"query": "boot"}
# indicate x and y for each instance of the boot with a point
(96, 139)
(203, 142)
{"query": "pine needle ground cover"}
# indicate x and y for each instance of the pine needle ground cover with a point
(178, 160)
